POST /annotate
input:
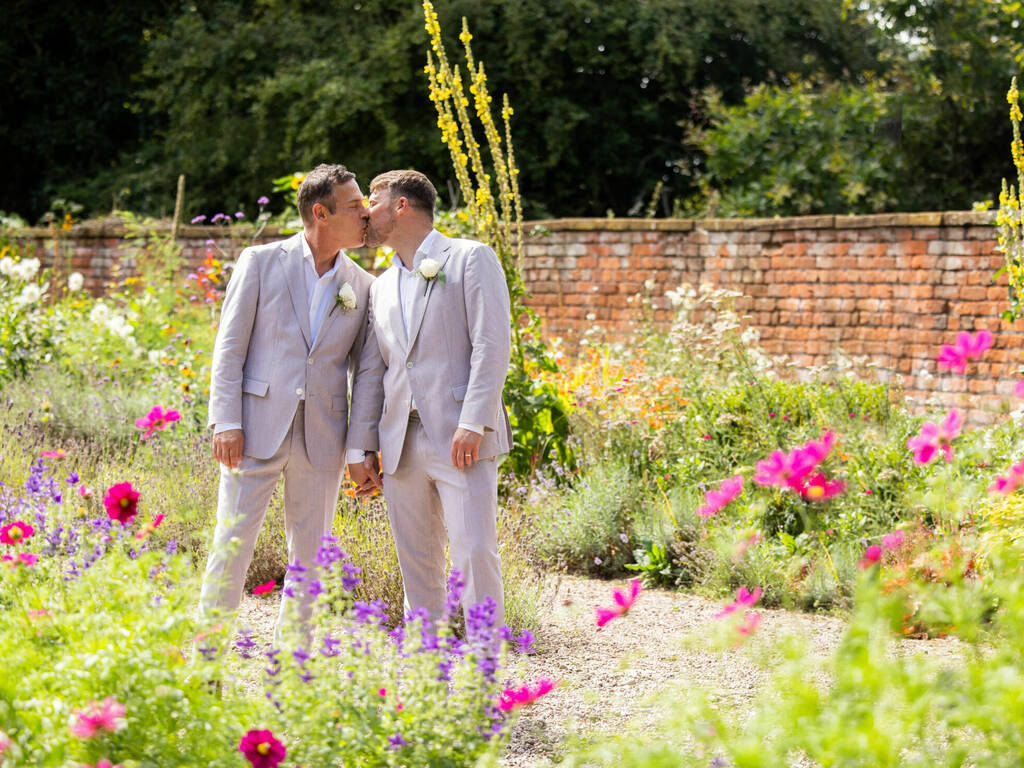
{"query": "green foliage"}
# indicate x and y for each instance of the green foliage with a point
(789, 151)
(27, 325)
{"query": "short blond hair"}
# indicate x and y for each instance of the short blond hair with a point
(412, 185)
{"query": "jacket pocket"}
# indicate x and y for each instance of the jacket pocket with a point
(255, 387)
(459, 392)
(339, 403)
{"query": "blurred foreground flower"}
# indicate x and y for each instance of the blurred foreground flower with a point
(716, 500)
(263, 589)
(967, 347)
(744, 599)
(15, 533)
(513, 698)
(261, 749)
(622, 604)
(1004, 486)
(98, 716)
(936, 437)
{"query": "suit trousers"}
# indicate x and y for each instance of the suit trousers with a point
(310, 499)
(427, 496)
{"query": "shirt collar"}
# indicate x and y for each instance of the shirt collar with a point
(423, 252)
(307, 255)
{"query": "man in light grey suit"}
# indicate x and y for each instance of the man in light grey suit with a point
(441, 343)
(292, 329)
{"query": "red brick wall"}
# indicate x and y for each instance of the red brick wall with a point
(893, 287)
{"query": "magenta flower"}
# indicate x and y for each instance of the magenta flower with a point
(104, 763)
(261, 749)
(622, 604)
(744, 600)
(967, 347)
(775, 470)
(1019, 389)
(98, 716)
(149, 527)
(871, 556)
(121, 502)
(789, 469)
(750, 622)
(1004, 486)
(820, 488)
(893, 540)
(156, 420)
(58, 454)
(22, 558)
(936, 437)
(513, 698)
(745, 542)
(263, 589)
(84, 492)
(15, 533)
(714, 501)
(263, 200)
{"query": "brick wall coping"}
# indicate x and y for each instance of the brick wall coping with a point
(830, 221)
(112, 226)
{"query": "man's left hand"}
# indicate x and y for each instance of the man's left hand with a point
(465, 448)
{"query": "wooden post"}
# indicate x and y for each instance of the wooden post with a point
(179, 203)
(55, 271)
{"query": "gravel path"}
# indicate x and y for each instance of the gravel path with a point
(606, 675)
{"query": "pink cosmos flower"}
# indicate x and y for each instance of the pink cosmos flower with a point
(820, 488)
(156, 420)
(936, 437)
(893, 540)
(714, 501)
(263, 589)
(53, 454)
(871, 556)
(744, 600)
(1004, 486)
(789, 469)
(104, 763)
(15, 533)
(751, 620)
(121, 502)
(149, 527)
(1019, 389)
(513, 698)
(261, 749)
(745, 542)
(22, 558)
(84, 492)
(98, 716)
(775, 470)
(622, 604)
(967, 347)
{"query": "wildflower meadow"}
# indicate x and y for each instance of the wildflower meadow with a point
(690, 459)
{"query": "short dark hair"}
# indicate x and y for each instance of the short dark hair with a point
(318, 187)
(412, 185)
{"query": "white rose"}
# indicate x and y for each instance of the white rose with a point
(75, 281)
(99, 313)
(429, 268)
(347, 296)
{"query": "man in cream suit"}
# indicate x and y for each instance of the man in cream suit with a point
(292, 329)
(441, 343)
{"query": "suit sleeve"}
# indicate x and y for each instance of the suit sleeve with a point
(231, 347)
(367, 367)
(489, 326)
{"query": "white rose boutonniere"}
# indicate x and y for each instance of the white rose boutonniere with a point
(430, 269)
(346, 298)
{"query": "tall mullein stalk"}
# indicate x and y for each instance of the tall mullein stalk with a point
(496, 217)
(1009, 220)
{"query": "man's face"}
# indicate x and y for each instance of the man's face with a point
(347, 224)
(382, 218)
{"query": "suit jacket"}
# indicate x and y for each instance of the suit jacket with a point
(263, 362)
(454, 359)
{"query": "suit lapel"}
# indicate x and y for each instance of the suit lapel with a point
(334, 311)
(295, 277)
(423, 293)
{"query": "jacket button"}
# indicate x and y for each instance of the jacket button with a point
(408, 365)
(299, 391)
(310, 361)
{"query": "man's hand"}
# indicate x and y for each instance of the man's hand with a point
(227, 447)
(366, 475)
(465, 448)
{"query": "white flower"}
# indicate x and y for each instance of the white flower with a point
(346, 296)
(7, 266)
(429, 268)
(155, 355)
(99, 313)
(119, 326)
(75, 281)
(30, 294)
(26, 269)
